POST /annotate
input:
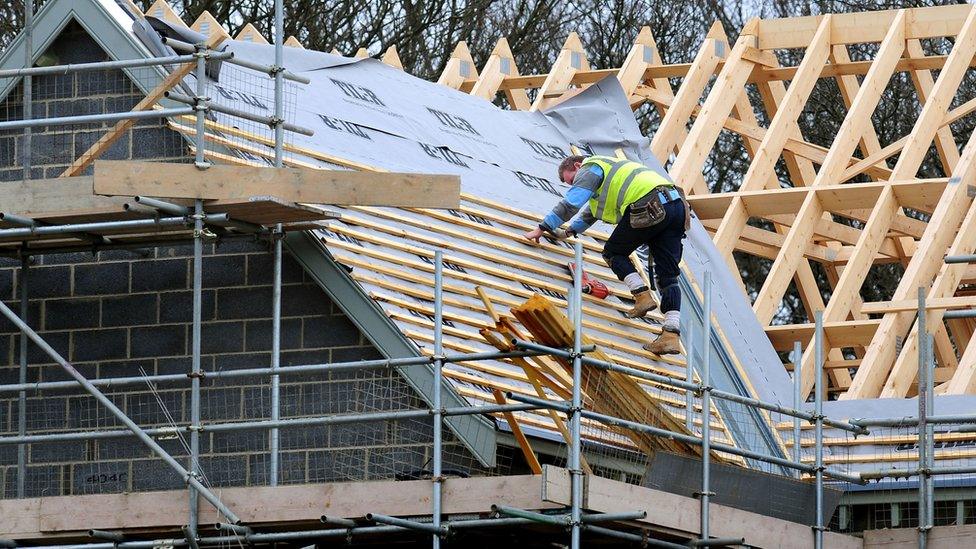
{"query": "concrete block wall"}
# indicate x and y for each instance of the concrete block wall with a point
(53, 148)
(118, 317)
(116, 314)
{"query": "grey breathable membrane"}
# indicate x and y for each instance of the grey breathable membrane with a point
(367, 112)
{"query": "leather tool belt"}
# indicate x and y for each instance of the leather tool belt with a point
(649, 209)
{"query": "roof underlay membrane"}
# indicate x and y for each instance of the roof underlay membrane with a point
(370, 116)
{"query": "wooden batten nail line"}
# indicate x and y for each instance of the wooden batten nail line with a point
(488, 282)
(467, 263)
(470, 336)
(554, 265)
(503, 299)
(663, 394)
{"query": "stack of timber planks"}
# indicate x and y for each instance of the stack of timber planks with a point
(610, 393)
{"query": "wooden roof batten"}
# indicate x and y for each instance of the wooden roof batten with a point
(803, 216)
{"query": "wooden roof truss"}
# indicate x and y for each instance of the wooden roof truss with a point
(871, 346)
(817, 214)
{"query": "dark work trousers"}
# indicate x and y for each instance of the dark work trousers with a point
(664, 242)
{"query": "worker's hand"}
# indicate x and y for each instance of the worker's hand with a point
(563, 234)
(534, 235)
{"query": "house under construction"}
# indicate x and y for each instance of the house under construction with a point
(254, 293)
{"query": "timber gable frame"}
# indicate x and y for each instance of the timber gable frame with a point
(803, 215)
(815, 213)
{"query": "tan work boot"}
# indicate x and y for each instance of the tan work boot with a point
(668, 343)
(643, 304)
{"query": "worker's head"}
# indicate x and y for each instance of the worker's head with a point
(568, 168)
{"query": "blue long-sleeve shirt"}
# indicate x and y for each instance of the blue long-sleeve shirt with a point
(586, 182)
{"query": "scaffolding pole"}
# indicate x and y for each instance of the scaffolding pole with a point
(797, 391)
(857, 428)
(275, 358)
(283, 370)
(706, 404)
(575, 414)
(818, 529)
(22, 377)
(438, 418)
(196, 372)
(279, 82)
(106, 65)
(690, 379)
(281, 423)
(930, 429)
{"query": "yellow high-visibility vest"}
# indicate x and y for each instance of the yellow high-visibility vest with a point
(624, 182)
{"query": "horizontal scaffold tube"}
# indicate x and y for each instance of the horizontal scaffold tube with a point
(94, 118)
(688, 439)
(914, 472)
(102, 65)
(179, 45)
(231, 111)
(264, 537)
(280, 423)
(283, 370)
(910, 421)
(682, 384)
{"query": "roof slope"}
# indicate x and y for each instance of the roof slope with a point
(367, 115)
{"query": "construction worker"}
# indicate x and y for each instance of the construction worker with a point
(647, 208)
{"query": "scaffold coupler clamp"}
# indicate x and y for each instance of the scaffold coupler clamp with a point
(191, 475)
(814, 418)
(205, 233)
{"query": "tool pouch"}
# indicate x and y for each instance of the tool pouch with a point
(649, 214)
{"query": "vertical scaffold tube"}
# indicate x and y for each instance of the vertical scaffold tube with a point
(797, 389)
(275, 357)
(576, 448)
(201, 106)
(690, 378)
(818, 433)
(438, 405)
(28, 85)
(194, 463)
(923, 373)
(279, 80)
(22, 376)
(26, 161)
(706, 404)
(930, 428)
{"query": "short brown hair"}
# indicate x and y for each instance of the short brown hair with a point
(567, 164)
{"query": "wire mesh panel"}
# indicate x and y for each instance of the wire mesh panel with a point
(253, 93)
